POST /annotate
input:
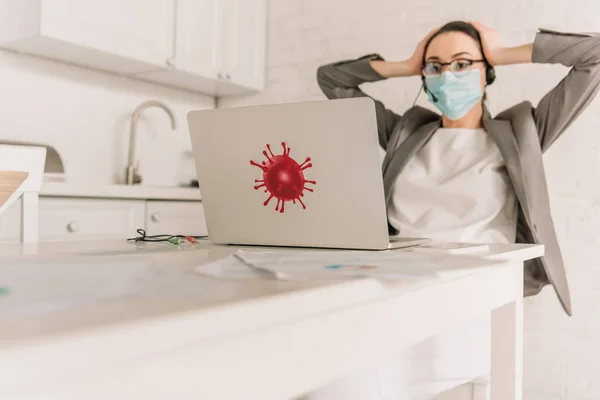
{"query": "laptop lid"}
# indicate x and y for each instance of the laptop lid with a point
(291, 174)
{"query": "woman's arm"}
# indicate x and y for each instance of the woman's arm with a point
(515, 55)
(557, 110)
(394, 69)
(342, 79)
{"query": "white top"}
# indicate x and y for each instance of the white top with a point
(456, 188)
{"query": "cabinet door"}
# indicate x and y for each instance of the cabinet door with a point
(78, 219)
(141, 30)
(175, 218)
(75, 219)
(197, 42)
(243, 34)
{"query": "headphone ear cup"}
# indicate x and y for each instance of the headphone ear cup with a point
(490, 75)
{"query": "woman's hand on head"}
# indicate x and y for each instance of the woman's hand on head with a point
(491, 43)
(409, 67)
(415, 62)
(496, 54)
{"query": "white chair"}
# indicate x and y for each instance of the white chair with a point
(30, 160)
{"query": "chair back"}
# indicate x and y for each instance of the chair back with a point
(21, 173)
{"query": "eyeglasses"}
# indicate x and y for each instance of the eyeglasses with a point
(457, 66)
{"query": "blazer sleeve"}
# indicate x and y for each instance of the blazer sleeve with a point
(342, 79)
(566, 101)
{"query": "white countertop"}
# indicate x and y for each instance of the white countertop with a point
(174, 267)
(153, 302)
(63, 189)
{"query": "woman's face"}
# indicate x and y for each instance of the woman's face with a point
(450, 46)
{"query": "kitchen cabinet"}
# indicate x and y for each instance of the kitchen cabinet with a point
(219, 47)
(197, 40)
(215, 47)
(175, 218)
(123, 36)
(68, 219)
(74, 219)
(244, 40)
(64, 218)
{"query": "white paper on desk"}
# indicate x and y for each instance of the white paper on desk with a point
(228, 267)
(353, 264)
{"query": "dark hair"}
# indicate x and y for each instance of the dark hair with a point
(471, 31)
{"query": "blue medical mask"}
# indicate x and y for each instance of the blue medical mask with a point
(455, 95)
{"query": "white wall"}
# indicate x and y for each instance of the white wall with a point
(562, 355)
(85, 114)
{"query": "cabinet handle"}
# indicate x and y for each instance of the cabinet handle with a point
(155, 217)
(228, 77)
(220, 75)
(170, 62)
(72, 227)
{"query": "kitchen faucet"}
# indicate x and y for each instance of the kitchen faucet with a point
(132, 175)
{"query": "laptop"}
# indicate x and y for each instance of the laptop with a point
(301, 174)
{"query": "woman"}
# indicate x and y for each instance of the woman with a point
(465, 176)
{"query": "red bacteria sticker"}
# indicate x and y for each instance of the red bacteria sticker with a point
(283, 178)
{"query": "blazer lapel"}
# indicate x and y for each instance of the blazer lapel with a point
(400, 156)
(502, 134)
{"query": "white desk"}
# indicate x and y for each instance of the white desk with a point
(221, 339)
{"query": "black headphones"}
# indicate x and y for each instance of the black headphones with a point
(490, 74)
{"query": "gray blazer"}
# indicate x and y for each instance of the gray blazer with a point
(522, 133)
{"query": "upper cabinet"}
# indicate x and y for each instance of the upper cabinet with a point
(215, 47)
(219, 47)
(244, 42)
(198, 39)
(123, 36)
